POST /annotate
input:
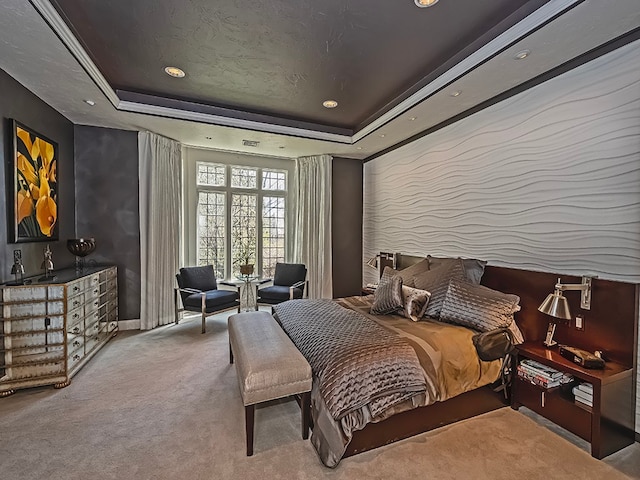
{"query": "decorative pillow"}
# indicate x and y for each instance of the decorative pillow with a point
(388, 296)
(415, 302)
(411, 271)
(478, 307)
(437, 282)
(473, 268)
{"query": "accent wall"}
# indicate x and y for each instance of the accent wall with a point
(546, 180)
(20, 104)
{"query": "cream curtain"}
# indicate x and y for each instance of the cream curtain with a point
(159, 169)
(312, 225)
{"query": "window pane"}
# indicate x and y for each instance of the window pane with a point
(243, 230)
(211, 231)
(212, 175)
(273, 234)
(243, 177)
(274, 180)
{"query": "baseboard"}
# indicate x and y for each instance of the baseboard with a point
(129, 324)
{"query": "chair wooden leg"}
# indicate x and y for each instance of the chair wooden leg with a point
(230, 354)
(175, 304)
(248, 417)
(204, 312)
(306, 412)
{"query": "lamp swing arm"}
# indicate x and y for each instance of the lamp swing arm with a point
(584, 288)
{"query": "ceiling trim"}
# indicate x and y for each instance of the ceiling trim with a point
(180, 114)
(60, 28)
(610, 46)
(523, 28)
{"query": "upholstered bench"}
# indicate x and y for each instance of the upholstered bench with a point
(269, 366)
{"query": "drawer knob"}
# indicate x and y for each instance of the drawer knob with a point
(76, 343)
(76, 357)
(76, 330)
(76, 288)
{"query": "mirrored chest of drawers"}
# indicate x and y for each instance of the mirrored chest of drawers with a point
(50, 329)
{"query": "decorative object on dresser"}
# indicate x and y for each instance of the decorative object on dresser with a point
(32, 194)
(49, 330)
(17, 269)
(81, 247)
(47, 266)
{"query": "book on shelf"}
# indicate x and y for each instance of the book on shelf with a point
(580, 401)
(537, 379)
(582, 396)
(541, 368)
(586, 387)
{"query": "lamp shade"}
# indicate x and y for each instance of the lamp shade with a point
(556, 305)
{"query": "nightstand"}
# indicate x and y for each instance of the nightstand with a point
(608, 425)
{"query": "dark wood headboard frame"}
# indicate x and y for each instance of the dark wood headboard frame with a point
(610, 326)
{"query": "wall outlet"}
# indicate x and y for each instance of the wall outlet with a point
(579, 322)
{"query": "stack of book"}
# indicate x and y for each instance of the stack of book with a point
(541, 375)
(583, 393)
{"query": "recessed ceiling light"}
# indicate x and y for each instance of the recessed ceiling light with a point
(522, 54)
(455, 93)
(174, 72)
(411, 119)
(359, 148)
(329, 104)
(425, 3)
(382, 135)
(89, 102)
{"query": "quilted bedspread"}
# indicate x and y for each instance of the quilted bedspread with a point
(355, 361)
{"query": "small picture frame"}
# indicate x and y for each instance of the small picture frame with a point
(32, 186)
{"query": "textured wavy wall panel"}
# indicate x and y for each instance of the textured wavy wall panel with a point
(547, 180)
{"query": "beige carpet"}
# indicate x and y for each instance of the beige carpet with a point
(165, 405)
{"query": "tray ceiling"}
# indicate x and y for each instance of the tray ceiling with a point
(261, 71)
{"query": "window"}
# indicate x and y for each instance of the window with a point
(241, 218)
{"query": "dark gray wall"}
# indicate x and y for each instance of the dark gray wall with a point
(20, 104)
(346, 227)
(107, 206)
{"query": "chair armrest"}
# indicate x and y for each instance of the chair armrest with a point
(237, 286)
(301, 283)
(189, 290)
(262, 282)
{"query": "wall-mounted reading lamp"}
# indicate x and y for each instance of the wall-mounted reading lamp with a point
(381, 260)
(556, 304)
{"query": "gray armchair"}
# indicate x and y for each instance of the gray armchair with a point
(289, 282)
(198, 290)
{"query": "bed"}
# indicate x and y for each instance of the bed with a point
(381, 378)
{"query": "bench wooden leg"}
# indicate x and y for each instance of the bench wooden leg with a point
(230, 354)
(306, 413)
(248, 418)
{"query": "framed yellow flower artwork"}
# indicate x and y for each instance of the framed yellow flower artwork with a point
(33, 215)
